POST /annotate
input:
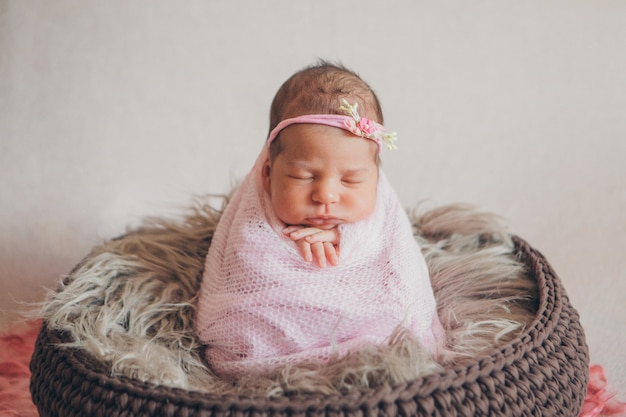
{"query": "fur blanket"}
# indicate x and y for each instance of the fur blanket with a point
(130, 304)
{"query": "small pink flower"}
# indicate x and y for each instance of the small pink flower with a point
(366, 126)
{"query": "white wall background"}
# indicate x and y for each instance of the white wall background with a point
(114, 110)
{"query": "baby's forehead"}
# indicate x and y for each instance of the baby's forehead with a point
(354, 166)
(343, 149)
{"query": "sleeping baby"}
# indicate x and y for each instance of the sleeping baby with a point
(314, 256)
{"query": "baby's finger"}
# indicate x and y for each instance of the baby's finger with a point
(305, 250)
(319, 253)
(303, 232)
(322, 236)
(331, 252)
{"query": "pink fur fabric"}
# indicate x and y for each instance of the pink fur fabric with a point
(16, 348)
(599, 402)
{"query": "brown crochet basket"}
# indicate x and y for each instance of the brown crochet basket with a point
(541, 373)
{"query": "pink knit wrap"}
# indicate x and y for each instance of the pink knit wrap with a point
(261, 305)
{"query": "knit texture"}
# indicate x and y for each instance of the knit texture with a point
(262, 306)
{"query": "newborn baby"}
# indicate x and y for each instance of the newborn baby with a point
(314, 255)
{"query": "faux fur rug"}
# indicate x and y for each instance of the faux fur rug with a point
(130, 304)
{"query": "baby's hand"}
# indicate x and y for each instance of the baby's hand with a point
(314, 243)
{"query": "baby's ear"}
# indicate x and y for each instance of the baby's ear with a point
(265, 176)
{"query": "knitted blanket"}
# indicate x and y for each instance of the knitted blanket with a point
(261, 306)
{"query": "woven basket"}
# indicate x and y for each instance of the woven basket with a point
(541, 373)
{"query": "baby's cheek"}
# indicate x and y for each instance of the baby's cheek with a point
(365, 206)
(285, 208)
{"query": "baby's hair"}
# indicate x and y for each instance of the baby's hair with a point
(318, 89)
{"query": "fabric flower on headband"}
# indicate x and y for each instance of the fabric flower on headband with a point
(366, 128)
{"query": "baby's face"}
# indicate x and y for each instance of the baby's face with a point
(324, 176)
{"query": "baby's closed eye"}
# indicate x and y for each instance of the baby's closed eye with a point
(301, 177)
(351, 181)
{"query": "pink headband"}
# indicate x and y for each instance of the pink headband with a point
(359, 126)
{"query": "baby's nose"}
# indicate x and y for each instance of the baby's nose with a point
(326, 192)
